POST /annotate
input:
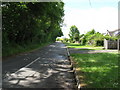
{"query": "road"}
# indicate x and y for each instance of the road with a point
(48, 67)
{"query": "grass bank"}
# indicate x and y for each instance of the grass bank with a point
(83, 47)
(17, 49)
(98, 70)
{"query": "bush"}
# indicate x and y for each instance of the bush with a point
(65, 40)
(57, 39)
(83, 41)
(99, 43)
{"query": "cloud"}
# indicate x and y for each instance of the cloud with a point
(90, 0)
(101, 19)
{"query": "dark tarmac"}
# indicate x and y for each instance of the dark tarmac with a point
(48, 67)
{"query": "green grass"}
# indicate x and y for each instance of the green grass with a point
(16, 49)
(83, 47)
(98, 70)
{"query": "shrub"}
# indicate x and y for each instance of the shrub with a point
(99, 43)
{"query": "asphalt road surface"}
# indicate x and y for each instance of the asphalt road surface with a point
(48, 67)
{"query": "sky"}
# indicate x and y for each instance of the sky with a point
(101, 15)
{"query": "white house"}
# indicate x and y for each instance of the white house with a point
(111, 44)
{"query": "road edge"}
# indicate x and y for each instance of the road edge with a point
(74, 70)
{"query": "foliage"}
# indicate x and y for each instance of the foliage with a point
(74, 33)
(98, 70)
(90, 38)
(83, 40)
(90, 32)
(57, 39)
(107, 37)
(87, 37)
(27, 23)
(93, 38)
(97, 39)
(65, 39)
(118, 37)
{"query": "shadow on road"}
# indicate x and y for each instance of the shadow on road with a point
(51, 69)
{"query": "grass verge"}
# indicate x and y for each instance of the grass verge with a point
(98, 70)
(83, 47)
(17, 49)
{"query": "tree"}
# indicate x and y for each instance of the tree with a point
(93, 38)
(98, 39)
(91, 32)
(74, 33)
(26, 23)
(86, 37)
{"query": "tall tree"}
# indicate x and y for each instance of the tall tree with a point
(25, 23)
(74, 33)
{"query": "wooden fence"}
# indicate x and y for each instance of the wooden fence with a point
(112, 44)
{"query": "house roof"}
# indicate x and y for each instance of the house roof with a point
(114, 32)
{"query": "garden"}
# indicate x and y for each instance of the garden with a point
(96, 70)
(99, 70)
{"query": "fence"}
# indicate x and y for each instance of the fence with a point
(111, 44)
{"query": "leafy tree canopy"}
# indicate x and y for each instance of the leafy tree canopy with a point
(74, 33)
(31, 22)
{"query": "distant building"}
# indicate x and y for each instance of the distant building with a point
(114, 33)
(112, 44)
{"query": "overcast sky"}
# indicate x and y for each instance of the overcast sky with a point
(101, 15)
